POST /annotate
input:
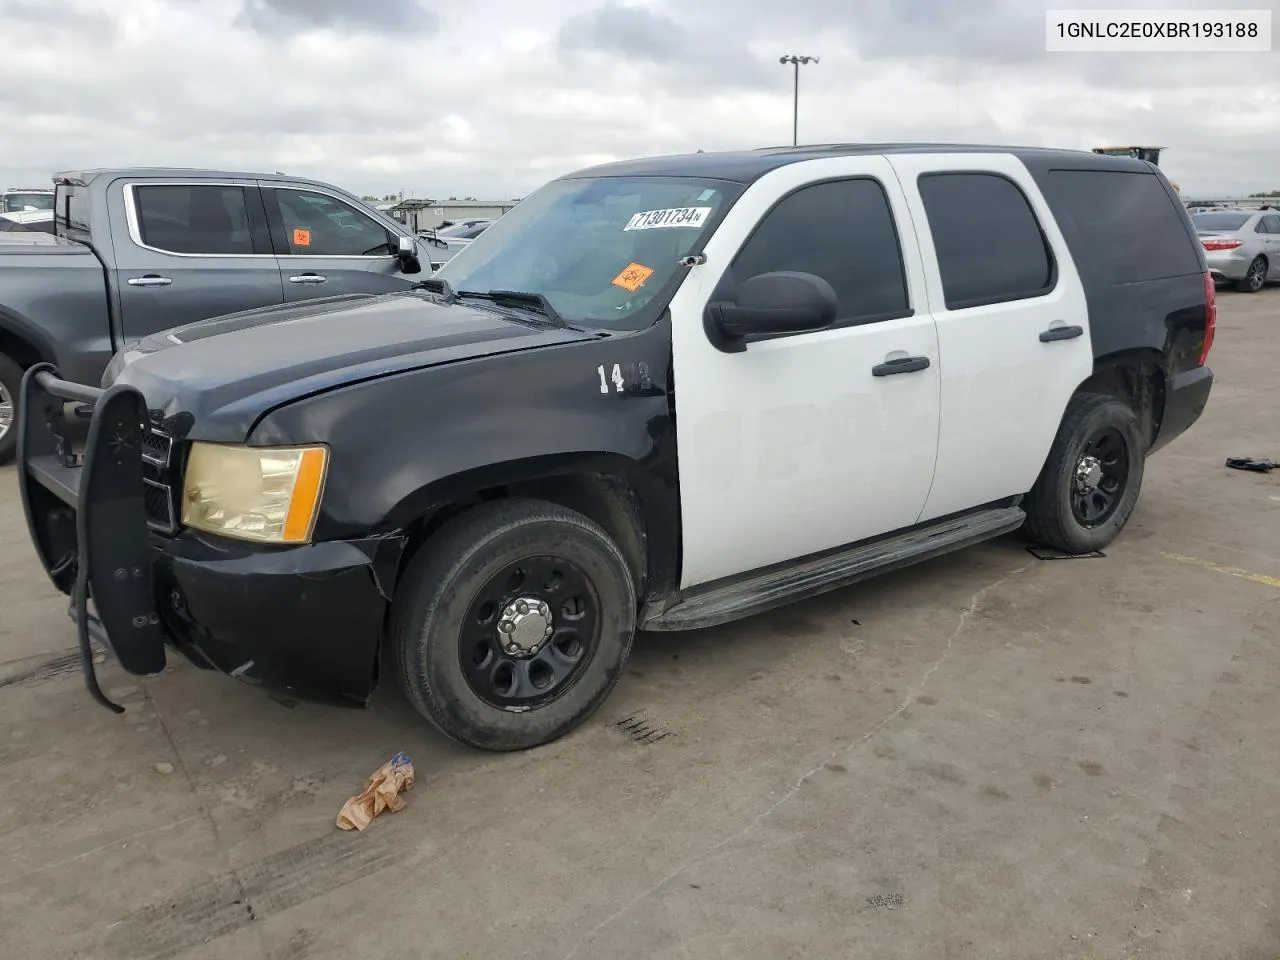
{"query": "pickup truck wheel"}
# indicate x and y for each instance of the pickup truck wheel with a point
(10, 385)
(513, 623)
(1091, 480)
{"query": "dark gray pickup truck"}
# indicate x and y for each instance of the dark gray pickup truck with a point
(143, 250)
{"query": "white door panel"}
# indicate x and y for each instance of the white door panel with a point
(792, 446)
(1004, 390)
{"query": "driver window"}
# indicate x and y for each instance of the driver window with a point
(842, 231)
(316, 225)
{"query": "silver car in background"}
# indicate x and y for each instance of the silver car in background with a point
(1242, 246)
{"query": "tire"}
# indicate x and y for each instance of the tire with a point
(10, 385)
(1255, 278)
(459, 591)
(1054, 518)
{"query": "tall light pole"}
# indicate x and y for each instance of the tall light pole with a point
(795, 103)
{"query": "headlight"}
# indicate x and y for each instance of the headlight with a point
(267, 494)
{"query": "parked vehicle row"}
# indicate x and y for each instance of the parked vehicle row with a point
(144, 250)
(1241, 246)
(661, 394)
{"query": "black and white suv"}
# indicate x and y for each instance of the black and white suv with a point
(659, 394)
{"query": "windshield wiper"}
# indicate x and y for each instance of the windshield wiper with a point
(436, 285)
(517, 298)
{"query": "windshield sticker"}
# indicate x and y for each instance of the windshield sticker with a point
(706, 195)
(673, 217)
(301, 238)
(633, 277)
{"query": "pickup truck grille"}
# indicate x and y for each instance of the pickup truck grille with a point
(158, 475)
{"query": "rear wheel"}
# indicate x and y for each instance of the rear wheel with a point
(10, 385)
(513, 624)
(1255, 277)
(1090, 483)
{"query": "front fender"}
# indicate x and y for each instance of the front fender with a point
(402, 444)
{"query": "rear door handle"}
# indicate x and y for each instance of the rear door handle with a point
(308, 278)
(1060, 333)
(150, 280)
(900, 365)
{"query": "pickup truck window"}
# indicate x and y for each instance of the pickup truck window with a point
(842, 231)
(316, 225)
(604, 251)
(211, 220)
(989, 243)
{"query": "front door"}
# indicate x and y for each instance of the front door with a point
(327, 247)
(1012, 322)
(794, 446)
(194, 251)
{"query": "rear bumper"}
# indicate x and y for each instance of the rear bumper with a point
(1228, 264)
(299, 622)
(1185, 398)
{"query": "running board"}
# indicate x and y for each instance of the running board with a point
(780, 586)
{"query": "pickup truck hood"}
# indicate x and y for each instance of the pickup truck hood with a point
(214, 379)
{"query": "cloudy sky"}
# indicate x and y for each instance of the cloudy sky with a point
(489, 98)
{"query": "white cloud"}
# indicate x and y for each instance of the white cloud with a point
(493, 97)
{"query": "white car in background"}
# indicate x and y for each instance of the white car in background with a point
(455, 236)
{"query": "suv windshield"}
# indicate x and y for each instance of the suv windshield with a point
(601, 250)
(27, 201)
(1220, 221)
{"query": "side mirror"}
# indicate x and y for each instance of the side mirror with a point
(407, 254)
(771, 304)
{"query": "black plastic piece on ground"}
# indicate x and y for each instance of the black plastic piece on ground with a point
(1249, 463)
(1045, 553)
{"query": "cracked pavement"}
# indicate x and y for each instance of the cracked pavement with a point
(984, 756)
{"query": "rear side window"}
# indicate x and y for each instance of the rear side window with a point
(989, 243)
(211, 220)
(843, 232)
(1126, 222)
(1272, 223)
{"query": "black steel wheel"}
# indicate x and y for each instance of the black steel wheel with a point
(1255, 277)
(1091, 479)
(529, 632)
(512, 624)
(1101, 477)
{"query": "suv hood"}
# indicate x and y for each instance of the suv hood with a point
(214, 379)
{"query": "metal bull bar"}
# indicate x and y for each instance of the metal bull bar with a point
(87, 517)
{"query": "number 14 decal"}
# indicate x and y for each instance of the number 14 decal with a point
(616, 377)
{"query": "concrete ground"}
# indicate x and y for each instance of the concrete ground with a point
(985, 756)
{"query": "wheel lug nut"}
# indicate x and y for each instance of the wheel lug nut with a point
(522, 607)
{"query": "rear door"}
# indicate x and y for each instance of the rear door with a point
(328, 247)
(1268, 229)
(189, 251)
(1013, 334)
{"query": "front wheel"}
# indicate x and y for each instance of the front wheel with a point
(1090, 483)
(513, 623)
(10, 387)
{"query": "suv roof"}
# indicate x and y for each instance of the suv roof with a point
(744, 166)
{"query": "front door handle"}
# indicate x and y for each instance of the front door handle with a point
(308, 278)
(1060, 333)
(900, 365)
(150, 280)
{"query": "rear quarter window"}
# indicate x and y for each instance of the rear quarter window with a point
(1127, 223)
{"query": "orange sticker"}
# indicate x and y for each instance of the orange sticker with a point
(633, 277)
(301, 238)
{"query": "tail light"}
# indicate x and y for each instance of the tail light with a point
(1221, 244)
(1210, 316)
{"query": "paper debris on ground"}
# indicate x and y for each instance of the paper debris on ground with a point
(381, 792)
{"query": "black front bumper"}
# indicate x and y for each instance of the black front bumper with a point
(301, 622)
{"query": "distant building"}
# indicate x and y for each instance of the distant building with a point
(422, 215)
